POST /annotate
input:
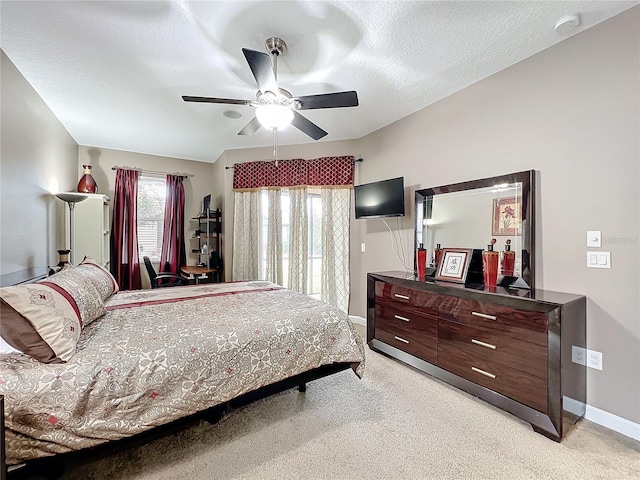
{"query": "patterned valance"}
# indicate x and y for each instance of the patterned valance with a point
(319, 172)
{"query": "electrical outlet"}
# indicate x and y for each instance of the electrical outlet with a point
(578, 355)
(594, 359)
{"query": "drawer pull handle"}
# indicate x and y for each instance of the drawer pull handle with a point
(404, 297)
(401, 339)
(483, 315)
(404, 319)
(482, 344)
(486, 374)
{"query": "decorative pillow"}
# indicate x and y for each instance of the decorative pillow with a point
(40, 322)
(99, 276)
(77, 288)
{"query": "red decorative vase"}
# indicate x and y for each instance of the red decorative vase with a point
(437, 254)
(490, 266)
(508, 261)
(421, 261)
(87, 184)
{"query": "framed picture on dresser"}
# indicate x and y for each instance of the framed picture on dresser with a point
(454, 265)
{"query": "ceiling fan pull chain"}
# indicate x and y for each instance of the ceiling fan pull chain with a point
(275, 145)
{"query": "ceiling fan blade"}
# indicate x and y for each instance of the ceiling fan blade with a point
(260, 64)
(216, 100)
(329, 100)
(251, 127)
(307, 126)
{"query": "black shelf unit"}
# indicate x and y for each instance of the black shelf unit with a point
(207, 240)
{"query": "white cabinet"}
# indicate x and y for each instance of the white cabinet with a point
(92, 226)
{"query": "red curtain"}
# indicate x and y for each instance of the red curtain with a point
(125, 263)
(326, 171)
(173, 249)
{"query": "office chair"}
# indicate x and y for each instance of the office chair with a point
(166, 279)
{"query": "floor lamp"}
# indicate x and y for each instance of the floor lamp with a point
(71, 199)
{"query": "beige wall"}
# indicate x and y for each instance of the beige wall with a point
(572, 113)
(38, 158)
(195, 187)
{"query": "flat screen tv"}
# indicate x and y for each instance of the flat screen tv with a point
(380, 199)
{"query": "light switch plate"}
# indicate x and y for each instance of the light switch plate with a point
(594, 238)
(599, 259)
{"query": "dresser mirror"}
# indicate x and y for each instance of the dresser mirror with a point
(471, 214)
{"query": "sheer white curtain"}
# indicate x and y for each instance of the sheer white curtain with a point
(246, 235)
(298, 240)
(335, 246)
(333, 176)
(273, 270)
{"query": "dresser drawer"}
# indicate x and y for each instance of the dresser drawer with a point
(413, 334)
(426, 301)
(522, 324)
(492, 346)
(520, 386)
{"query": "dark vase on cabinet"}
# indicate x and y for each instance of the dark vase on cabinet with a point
(87, 183)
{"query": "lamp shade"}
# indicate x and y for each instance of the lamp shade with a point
(274, 117)
(71, 197)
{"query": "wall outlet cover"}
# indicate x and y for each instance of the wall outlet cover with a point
(598, 259)
(578, 355)
(594, 359)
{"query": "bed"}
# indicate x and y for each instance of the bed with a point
(150, 357)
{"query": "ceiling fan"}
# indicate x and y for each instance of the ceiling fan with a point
(275, 106)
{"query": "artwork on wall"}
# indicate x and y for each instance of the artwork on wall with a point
(507, 216)
(454, 265)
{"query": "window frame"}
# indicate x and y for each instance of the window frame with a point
(152, 183)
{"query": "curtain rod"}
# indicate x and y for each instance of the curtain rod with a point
(152, 172)
(356, 160)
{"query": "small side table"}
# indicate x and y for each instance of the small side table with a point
(197, 273)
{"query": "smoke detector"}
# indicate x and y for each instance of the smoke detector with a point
(567, 23)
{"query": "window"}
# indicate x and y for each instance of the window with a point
(314, 209)
(152, 193)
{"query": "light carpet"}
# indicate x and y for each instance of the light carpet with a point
(395, 423)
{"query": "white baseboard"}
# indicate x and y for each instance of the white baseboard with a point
(613, 422)
(593, 414)
(605, 419)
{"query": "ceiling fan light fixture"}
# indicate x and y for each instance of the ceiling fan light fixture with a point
(274, 117)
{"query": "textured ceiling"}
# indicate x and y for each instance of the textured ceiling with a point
(114, 72)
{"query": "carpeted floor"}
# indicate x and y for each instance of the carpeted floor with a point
(395, 423)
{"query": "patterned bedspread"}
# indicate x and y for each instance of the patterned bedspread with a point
(162, 354)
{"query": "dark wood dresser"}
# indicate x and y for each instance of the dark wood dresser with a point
(509, 347)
